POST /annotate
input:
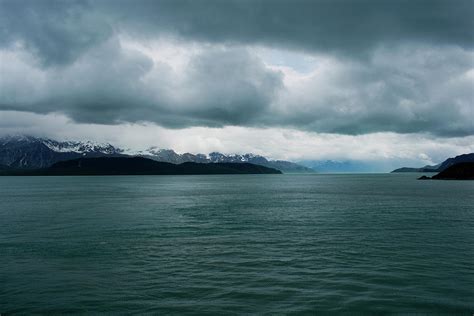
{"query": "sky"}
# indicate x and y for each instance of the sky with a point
(366, 80)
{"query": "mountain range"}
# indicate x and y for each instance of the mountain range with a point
(440, 167)
(138, 166)
(28, 152)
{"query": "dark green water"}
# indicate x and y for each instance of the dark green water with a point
(236, 244)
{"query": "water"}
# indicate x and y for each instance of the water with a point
(237, 244)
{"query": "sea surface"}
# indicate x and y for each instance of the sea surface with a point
(236, 244)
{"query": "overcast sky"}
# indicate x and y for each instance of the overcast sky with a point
(365, 80)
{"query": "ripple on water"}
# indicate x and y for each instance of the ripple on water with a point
(241, 244)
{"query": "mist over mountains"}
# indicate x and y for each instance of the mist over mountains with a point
(28, 152)
(344, 166)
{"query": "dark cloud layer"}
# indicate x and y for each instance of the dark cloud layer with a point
(343, 26)
(406, 90)
(106, 85)
(402, 66)
(60, 30)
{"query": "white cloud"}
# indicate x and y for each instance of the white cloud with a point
(398, 88)
(393, 149)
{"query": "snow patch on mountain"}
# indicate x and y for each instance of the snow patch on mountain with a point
(33, 152)
(81, 147)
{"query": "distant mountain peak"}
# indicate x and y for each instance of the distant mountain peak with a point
(20, 151)
(61, 146)
(81, 146)
(24, 151)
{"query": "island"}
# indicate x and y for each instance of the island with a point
(460, 171)
(138, 166)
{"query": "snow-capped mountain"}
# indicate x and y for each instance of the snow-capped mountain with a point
(81, 147)
(33, 152)
(168, 155)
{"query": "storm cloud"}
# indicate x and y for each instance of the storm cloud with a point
(61, 30)
(367, 66)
